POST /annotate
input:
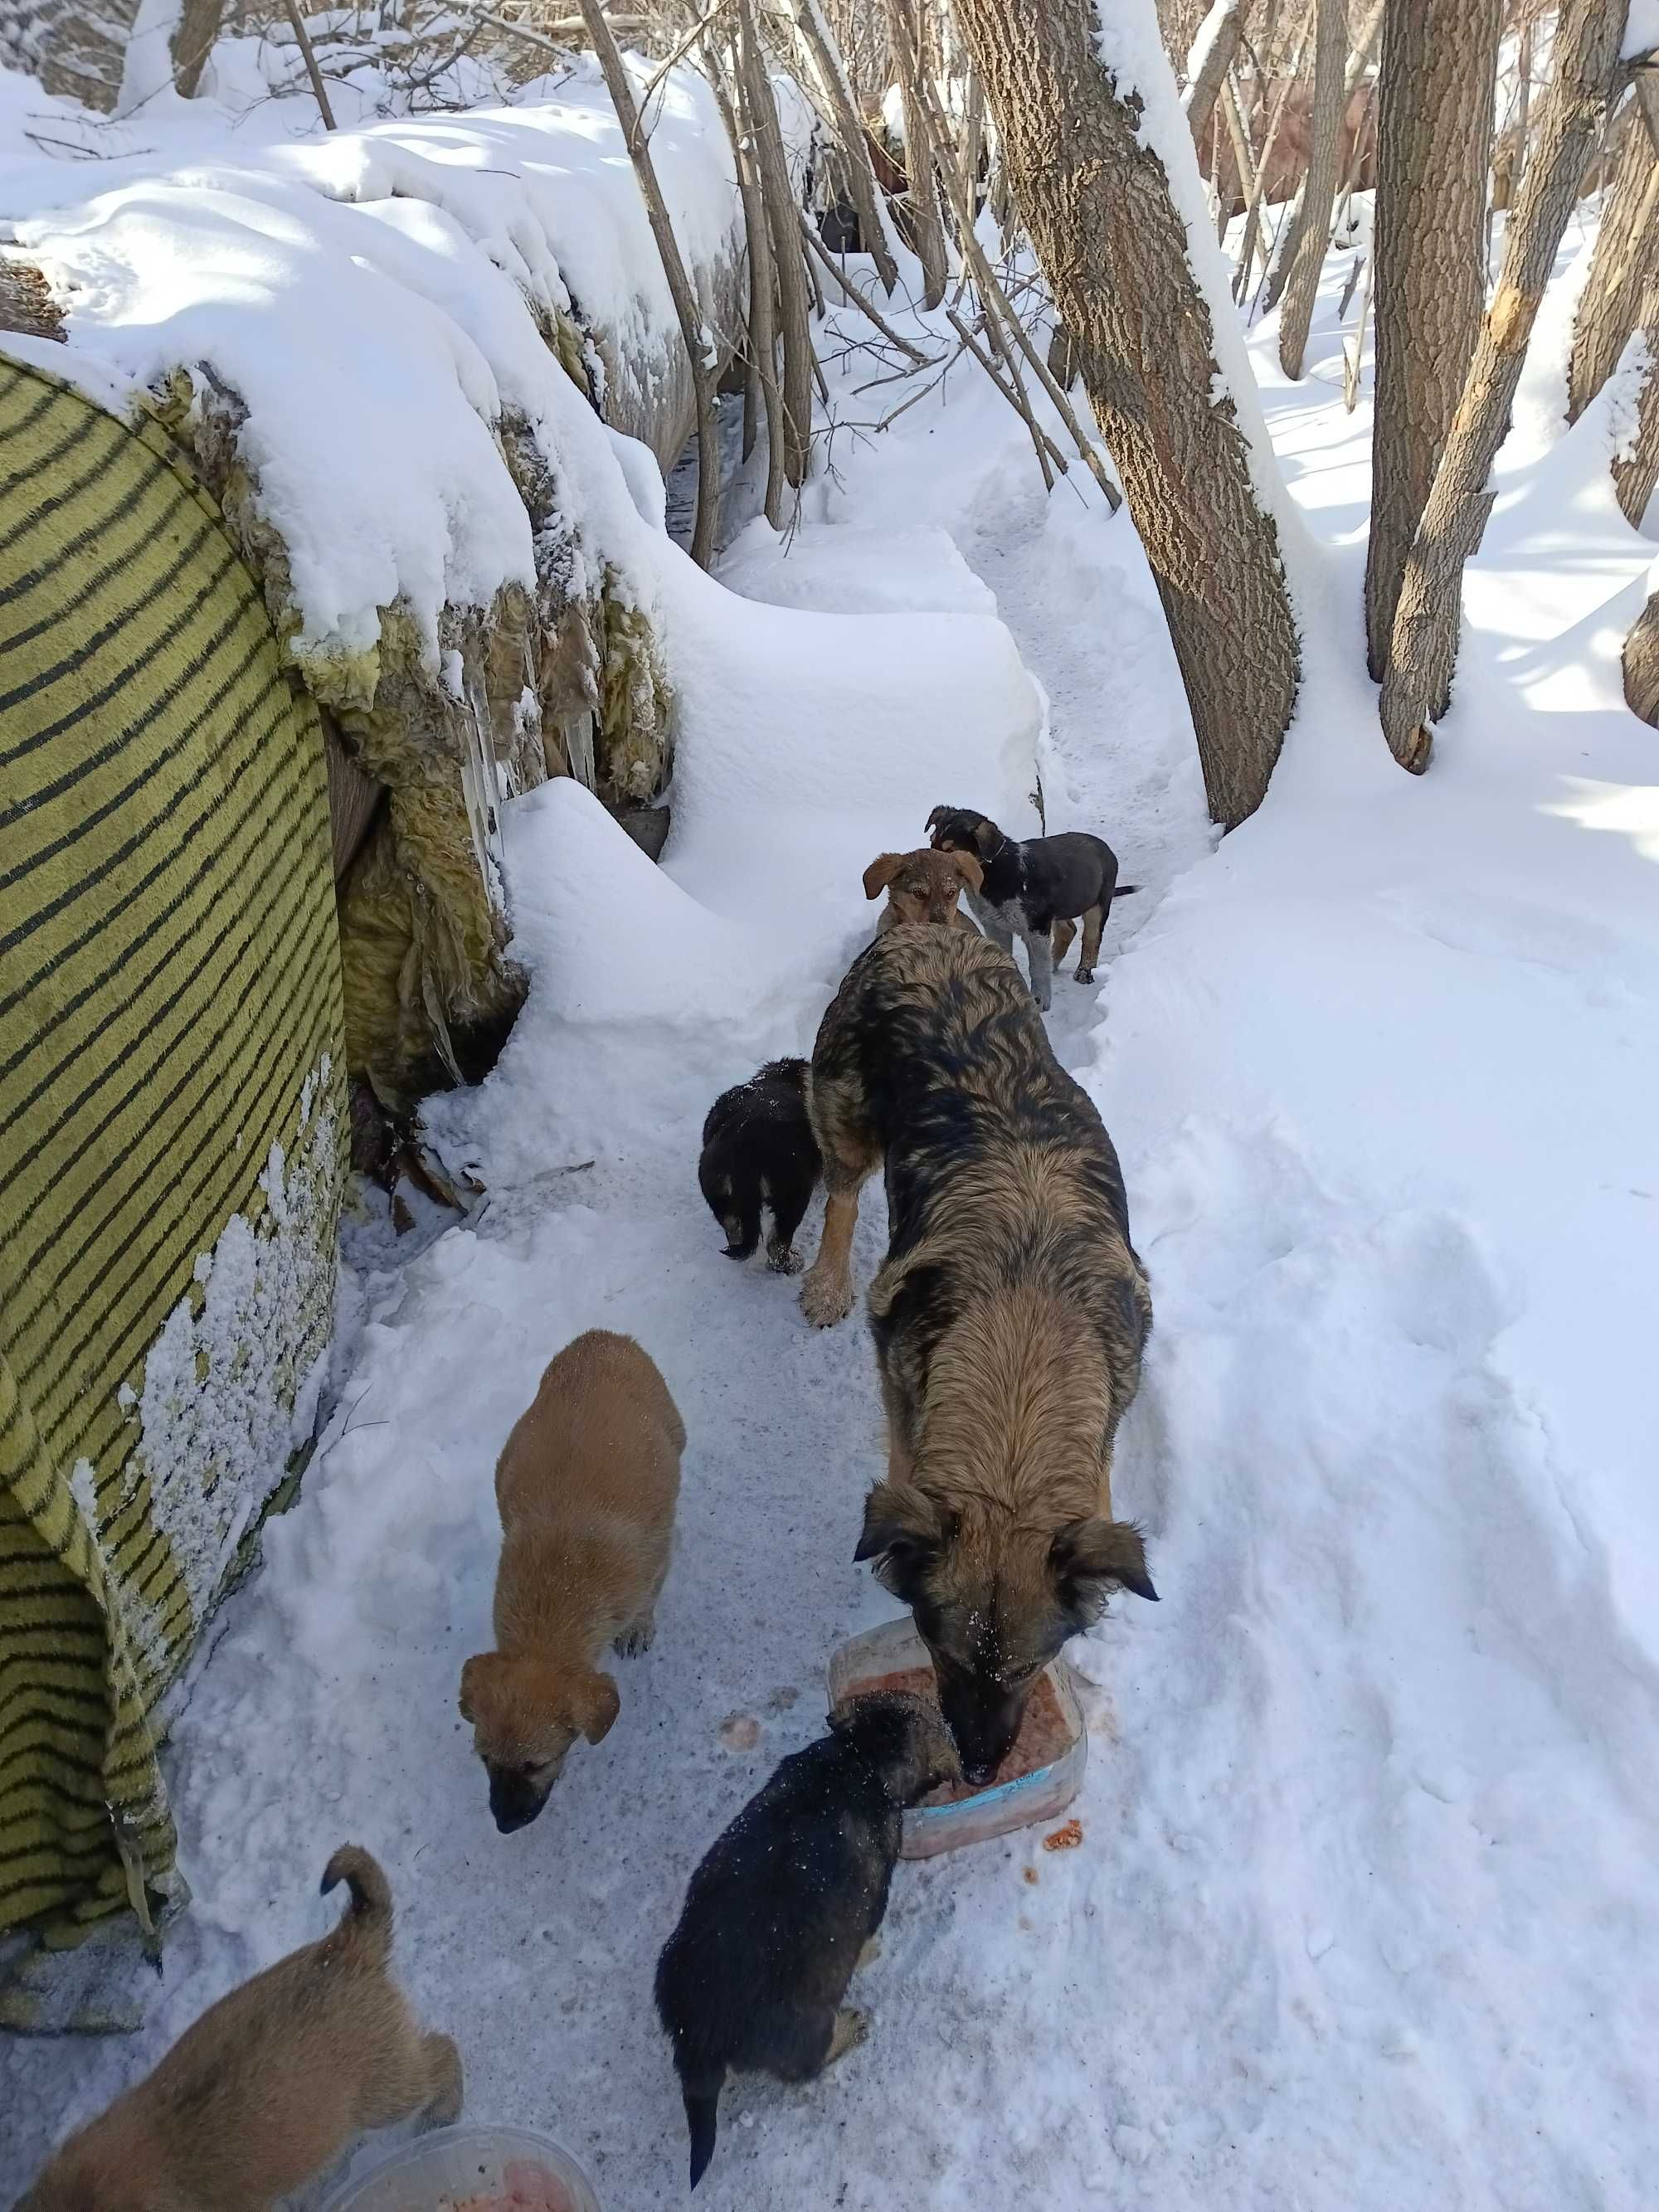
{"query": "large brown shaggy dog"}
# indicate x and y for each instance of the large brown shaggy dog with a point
(1009, 1315)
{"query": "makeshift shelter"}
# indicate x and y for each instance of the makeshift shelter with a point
(171, 1120)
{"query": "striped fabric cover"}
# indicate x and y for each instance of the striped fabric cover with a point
(169, 1011)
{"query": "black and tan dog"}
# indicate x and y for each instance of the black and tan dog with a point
(782, 1907)
(1009, 1315)
(758, 1154)
(1036, 890)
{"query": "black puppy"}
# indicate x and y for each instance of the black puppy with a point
(1036, 890)
(779, 1911)
(758, 1150)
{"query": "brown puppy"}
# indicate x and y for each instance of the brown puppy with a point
(1009, 1315)
(923, 886)
(271, 2083)
(586, 1485)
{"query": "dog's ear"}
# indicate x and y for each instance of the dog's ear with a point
(969, 870)
(985, 834)
(881, 873)
(940, 814)
(475, 1683)
(904, 1532)
(597, 1705)
(1089, 1559)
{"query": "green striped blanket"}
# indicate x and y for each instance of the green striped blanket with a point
(171, 1126)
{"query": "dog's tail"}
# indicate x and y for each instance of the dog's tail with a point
(368, 1916)
(1126, 890)
(702, 2104)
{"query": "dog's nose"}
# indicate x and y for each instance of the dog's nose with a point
(979, 1776)
(509, 1823)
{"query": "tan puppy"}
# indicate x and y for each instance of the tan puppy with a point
(923, 886)
(270, 2084)
(587, 1486)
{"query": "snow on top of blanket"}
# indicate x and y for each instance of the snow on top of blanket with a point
(364, 294)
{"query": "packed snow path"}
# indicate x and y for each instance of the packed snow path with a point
(1367, 1877)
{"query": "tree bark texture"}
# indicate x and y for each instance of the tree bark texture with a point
(193, 35)
(1636, 475)
(1312, 231)
(761, 385)
(1097, 202)
(788, 262)
(1437, 97)
(1642, 664)
(1423, 645)
(1625, 258)
(1204, 88)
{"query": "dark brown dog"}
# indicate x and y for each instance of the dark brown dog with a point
(923, 886)
(271, 2083)
(1009, 1315)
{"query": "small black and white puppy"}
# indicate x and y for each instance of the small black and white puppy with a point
(780, 1911)
(758, 1150)
(1036, 890)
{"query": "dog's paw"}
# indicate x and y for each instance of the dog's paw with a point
(635, 1640)
(852, 2027)
(1086, 975)
(826, 1299)
(783, 1259)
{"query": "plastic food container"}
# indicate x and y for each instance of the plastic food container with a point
(1001, 1807)
(452, 2166)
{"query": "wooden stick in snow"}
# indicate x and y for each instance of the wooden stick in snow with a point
(309, 55)
(692, 332)
(1014, 392)
(858, 299)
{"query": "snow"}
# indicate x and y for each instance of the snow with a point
(1367, 1869)
(422, 248)
(1641, 30)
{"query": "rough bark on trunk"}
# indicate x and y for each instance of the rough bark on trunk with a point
(1436, 97)
(789, 267)
(927, 222)
(1312, 231)
(1635, 471)
(1212, 74)
(819, 41)
(706, 531)
(1642, 664)
(193, 35)
(1097, 202)
(1423, 646)
(1626, 256)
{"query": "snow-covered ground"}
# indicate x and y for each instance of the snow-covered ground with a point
(1368, 1881)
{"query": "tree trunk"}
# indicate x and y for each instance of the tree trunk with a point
(1247, 251)
(926, 222)
(1436, 103)
(1626, 256)
(819, 41)
(193, 35)
(1205, 83)
(1312, 231)
(761, 385)
(706, 531)
(1635, 471)
(788, 265)
(1422, 646)
(1642, 664)
(1095, 199)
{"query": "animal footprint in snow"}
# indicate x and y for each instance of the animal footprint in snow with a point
(740, 1731)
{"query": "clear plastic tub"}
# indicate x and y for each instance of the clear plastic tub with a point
(894, 1648)
(451, 2167)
